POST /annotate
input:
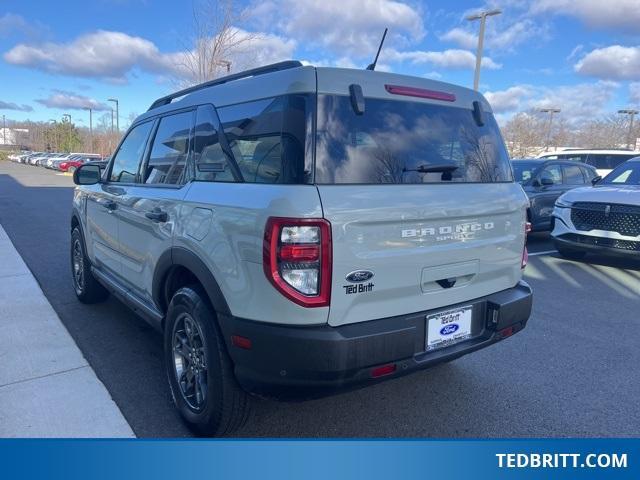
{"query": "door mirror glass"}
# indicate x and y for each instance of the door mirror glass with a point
(546, 181)
(87, 175)
(596, 179)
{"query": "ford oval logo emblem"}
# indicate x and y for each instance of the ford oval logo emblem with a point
(359, 276)
(449, 329)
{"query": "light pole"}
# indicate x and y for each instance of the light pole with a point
(90, 130)
(225, 63)
(482, 16)
(632, 113)
(550, 111)
(115, 100)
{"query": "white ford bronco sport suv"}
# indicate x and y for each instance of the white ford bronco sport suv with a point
(294, 231)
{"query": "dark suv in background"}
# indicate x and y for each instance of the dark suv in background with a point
(545, 180)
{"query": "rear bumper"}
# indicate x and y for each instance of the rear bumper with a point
(302, 362)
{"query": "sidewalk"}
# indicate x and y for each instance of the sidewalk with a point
(47, 388)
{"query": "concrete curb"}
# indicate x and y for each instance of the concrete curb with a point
(47, 388)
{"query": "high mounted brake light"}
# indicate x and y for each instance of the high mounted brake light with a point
(420, 92)
(297, 259)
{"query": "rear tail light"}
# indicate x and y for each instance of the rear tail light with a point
(297, 259)
(525, 253)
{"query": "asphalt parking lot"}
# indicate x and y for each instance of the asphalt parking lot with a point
(572, 372)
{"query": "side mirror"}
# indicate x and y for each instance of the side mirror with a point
(535, 183)
(546, 181)
(87, 174)
(595, 180)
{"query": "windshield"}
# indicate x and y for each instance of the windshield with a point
(396, 142)
(523, 171)
(626, 174)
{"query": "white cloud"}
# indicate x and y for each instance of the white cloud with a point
(510, 37)
(460, 37)
(454, 58)
(111, 56)
(618, 15)
(509, 99)
(345, 27)
(614, 62)
(15, 106)
(433, 75)
(577, 50)
(70, 101)
(577, 102)
(10, 22)
(102, 54)
(497, 36)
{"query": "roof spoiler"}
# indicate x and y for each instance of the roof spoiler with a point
(275, 67)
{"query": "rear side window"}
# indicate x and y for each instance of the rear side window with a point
(267, 138)
(211, 162)
(129, 155)
(607, 161)
(573, 175)
(169, 150)
(397, 142)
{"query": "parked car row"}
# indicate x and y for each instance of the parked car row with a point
(602, 160)
(65, 162)
(585, 212)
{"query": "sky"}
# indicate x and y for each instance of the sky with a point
(582, 56)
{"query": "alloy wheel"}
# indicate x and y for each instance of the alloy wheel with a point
(78, 266)
(189, 359)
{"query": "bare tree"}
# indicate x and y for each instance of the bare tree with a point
(525, 134)
(388, 168)
(217, 44)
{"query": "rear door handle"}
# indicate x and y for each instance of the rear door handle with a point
(157, 215)
(106, 203)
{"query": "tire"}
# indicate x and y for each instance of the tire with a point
(569, 253)
(87, 288)
(220, 407)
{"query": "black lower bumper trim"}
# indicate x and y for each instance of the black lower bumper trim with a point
(599, 245)
(300, 362)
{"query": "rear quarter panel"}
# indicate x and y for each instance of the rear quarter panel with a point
(223, 223)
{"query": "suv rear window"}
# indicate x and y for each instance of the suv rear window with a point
(393, 142)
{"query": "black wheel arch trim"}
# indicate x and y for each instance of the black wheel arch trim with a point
(75, 215)
(179, 256)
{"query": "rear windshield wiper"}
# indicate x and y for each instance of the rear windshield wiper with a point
(442, 168)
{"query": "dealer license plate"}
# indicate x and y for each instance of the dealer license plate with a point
(448, 327)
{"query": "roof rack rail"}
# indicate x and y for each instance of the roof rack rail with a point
(274, 67)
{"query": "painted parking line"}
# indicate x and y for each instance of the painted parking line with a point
(546, 252)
